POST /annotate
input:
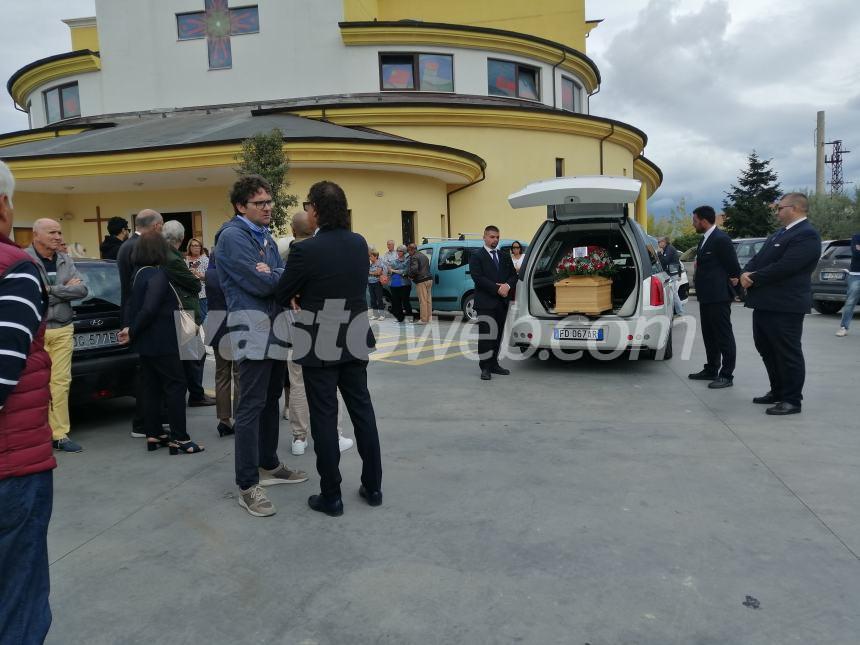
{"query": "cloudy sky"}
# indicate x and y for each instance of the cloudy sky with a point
(707, 80)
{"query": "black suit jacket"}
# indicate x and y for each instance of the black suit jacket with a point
(782, 270)
(126, 273)
(150, 307)
(671, 260)
(328, 275)
(487, 277)
(716, 262)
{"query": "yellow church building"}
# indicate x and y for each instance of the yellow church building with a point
(429, 114)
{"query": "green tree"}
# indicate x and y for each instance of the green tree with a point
(836, 216)
(263, 154)
(748, 204)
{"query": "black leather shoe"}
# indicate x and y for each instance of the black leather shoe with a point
(704, 375)
(374, 498)
(782, 408)
(498, 369)
(485, 374)
(333, 507)
(224, 430)
(767, 399)
(720, 382)
(199, 403)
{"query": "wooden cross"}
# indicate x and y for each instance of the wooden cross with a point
(98, 220)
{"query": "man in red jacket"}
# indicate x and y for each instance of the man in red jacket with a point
(26, 454)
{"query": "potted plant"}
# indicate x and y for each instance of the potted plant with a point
(583, 281)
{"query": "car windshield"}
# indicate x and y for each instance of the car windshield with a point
(102, 282)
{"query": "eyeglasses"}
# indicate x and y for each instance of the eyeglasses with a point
(306, 204)
(261, 204)
(779, 208)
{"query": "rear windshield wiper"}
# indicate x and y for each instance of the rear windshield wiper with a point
(96, 302)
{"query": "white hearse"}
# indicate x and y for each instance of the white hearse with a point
(591, 211)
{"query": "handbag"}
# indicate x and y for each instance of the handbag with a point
(187, 327)
(384, 279)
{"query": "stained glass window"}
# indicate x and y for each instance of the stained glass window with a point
(217, 24)
(62, 103)
(505, 78)
(398, 72)
(436, 72)
(571, 95)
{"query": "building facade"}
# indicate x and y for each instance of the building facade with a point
(428, 114)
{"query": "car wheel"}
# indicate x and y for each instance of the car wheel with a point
(468, 306)
(827, 307)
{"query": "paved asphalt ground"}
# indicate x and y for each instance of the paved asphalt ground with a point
(602, 503)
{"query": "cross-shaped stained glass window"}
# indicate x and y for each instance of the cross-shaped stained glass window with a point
(216, 24)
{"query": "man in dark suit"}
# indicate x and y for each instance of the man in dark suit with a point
(494, 276)
(717, 271)
(325, 283)
(779, 291)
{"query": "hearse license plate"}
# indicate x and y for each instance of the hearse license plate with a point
(832, 275)
(91, 340)
(578, 333)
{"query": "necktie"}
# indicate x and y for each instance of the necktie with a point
(495, 258)
(777, 235)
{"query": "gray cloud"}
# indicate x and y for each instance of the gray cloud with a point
(708, 91)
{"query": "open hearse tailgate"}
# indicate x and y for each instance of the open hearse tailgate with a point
(572, 197)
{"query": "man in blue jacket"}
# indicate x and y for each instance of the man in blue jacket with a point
(778, 281)
(249, 267)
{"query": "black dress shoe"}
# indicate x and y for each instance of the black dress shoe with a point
(704, 375)
(498, 369)
(374, 498)
(485, 374)
(199, 403)
(767, 399)
(720, 382)
(333, 507)
(782, 408)
(224, 430)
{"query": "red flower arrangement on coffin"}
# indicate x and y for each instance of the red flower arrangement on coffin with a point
(596, 262)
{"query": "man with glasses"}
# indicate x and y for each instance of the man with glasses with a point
(249, 267)
(118, 233)
(778, 281)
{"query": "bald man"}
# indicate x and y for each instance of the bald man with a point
(64, 285)
(146, 220)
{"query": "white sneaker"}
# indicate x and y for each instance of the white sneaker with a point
(843, 331)
(344, 443)
(138, 435)
(299, 446)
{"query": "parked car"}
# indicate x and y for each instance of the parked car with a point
(684, 282)
(830, 278)
(101, 367)
(592, 211)
(745, 248)
(688, 260)
(453, 288)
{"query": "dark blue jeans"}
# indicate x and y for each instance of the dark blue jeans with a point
(261, 384)
(25, 510)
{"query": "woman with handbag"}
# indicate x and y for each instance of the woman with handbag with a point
(400, 286)
(153, 333)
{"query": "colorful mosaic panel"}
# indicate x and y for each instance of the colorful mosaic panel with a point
(502, 78)
(398, 73)
(216, 24)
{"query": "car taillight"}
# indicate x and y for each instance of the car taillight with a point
(656, 291)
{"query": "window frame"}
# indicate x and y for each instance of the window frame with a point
(464, 261)
(517, 65)
(60, 88)
(416, 71)
(578, 90)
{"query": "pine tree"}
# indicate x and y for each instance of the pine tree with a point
(748, 205)
(263, 154)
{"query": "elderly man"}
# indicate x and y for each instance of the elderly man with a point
(390, 255)
(64, 285)
(187, 285)
(778, 281)
(249, 267)
(419, 273)
(26, 458)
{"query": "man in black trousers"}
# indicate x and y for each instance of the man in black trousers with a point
(717, 271)
(325, 283)
(495, 277)
(779, 291)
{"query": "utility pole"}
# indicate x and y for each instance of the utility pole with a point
(819, 155)
(835, 161)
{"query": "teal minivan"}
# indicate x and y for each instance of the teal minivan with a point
(453, 288)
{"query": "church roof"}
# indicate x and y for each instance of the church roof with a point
(195, 128)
